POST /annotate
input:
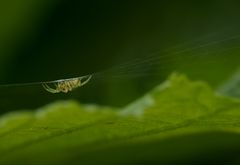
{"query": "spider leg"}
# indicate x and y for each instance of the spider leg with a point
(49, 89)
(87, 79)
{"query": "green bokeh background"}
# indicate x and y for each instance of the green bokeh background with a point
(48, 40)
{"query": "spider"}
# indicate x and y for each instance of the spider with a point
(66, 85)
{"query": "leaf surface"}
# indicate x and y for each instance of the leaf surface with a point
(179, 121)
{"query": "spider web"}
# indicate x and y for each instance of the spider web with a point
(202, 48)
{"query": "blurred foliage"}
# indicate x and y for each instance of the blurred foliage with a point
(140, 43)
(47, 40)
(231, 87)
(179, 122)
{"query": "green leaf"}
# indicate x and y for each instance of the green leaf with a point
(232, 86)
(177, 122)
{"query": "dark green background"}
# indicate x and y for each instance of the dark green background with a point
(47, 40)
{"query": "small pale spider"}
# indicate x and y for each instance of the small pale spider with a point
(66, 85)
